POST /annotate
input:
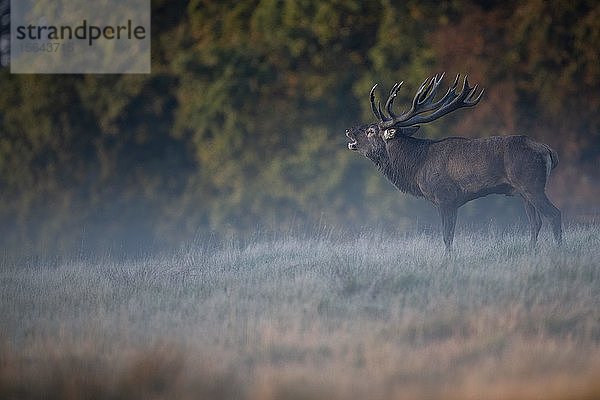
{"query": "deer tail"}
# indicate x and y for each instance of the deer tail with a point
(553, 156)
(551, 160)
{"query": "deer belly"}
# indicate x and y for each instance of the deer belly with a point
(483, 182)
(503, 188)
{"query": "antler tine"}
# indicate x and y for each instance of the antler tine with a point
(466, 89)
(373, 107)
(472, 92)
(390, 100)
(455, 84)
(432, 89)
(381, 114)
(391, 96)
(419, 93)
(424, 91)
(474, 101)
(441, 77)
(424, 96)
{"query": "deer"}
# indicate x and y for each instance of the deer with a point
(452, 171)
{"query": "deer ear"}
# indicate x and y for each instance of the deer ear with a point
(410, 131)
(392, 132)
(389, 133)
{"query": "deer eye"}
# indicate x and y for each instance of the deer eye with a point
(370, 132)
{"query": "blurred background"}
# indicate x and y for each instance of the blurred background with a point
(239, 129)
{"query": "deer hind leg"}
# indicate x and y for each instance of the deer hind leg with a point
(543, 205)
(448, 215)
(535, 223)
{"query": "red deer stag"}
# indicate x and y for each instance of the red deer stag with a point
(450, 172)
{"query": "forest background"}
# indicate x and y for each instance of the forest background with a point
(240, 126)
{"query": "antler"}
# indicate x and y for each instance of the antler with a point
(424, 101)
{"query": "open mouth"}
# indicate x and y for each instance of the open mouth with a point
(353, 144)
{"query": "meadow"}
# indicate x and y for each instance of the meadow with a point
(374, 316)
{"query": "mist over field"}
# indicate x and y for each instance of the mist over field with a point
(328, 316)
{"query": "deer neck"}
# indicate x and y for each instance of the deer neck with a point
(405, 156)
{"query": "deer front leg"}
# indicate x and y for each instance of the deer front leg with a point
(448, 214)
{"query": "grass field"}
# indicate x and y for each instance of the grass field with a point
(373, 317)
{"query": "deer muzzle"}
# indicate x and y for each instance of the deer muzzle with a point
(353, 144)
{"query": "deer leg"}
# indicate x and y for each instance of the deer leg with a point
(548, 210)
(535, 223)
(448, 215)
